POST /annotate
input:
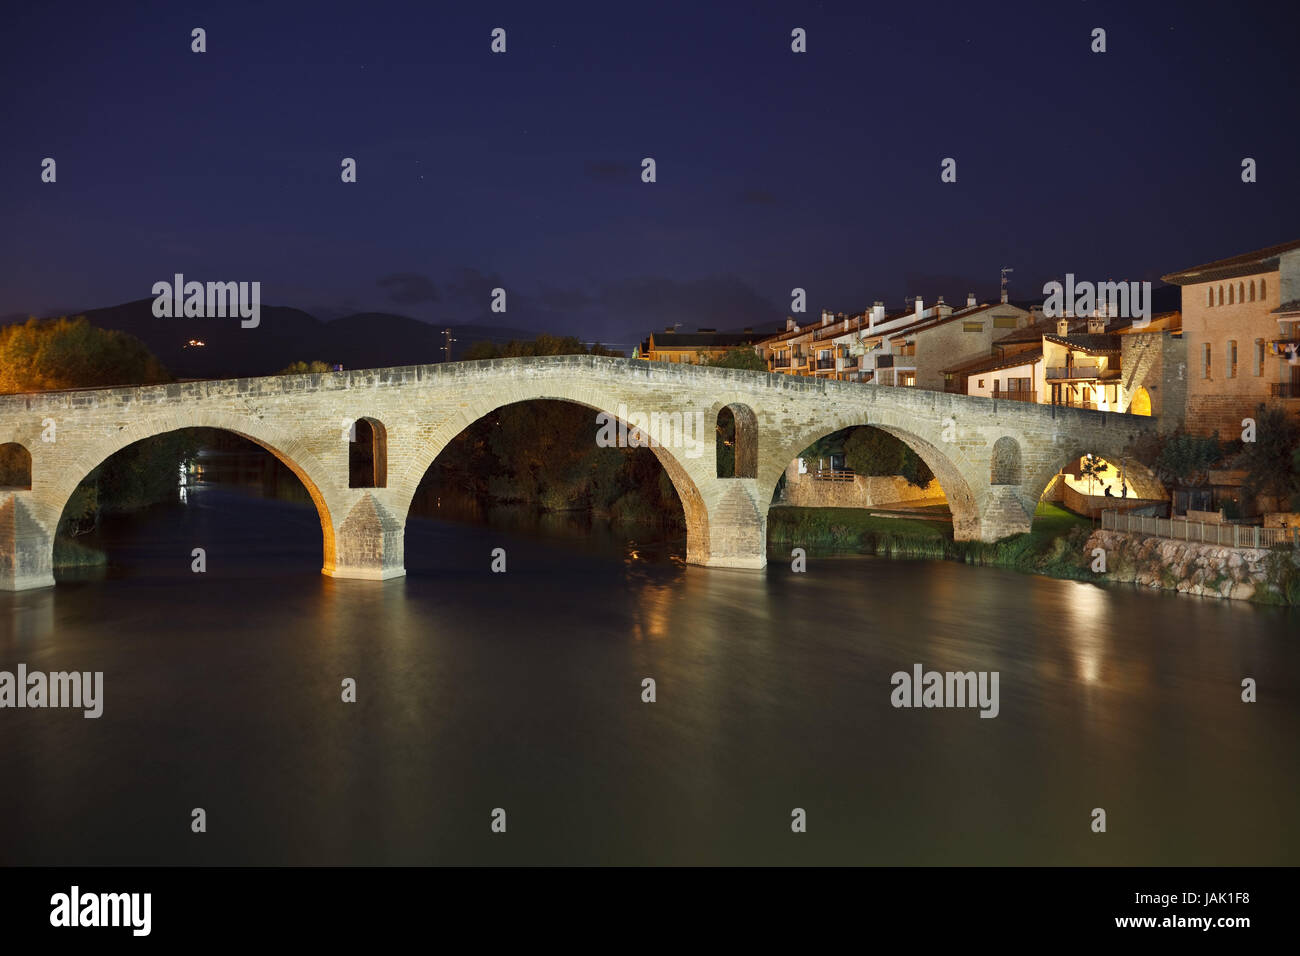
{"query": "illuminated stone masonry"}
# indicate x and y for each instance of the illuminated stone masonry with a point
(992, 458)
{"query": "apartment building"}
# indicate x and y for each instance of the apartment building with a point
(694, 347)
(1097, 362)
(1241, 320)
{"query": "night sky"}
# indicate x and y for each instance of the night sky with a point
(522, 170)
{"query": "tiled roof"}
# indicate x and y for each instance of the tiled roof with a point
(1027, 357)
(1261, 260)
(683, 340)
(1091, 342)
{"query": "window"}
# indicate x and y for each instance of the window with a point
(972, 326)
(1259, 355)
(981, 384)
(1232, 358)
(1263, 289)
(1220, 295)
(1241, 292)
(1205, 360)
(1230, 291)
(1005, 322)
(1252, 290)
(1209, 297)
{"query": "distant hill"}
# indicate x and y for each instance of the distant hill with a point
(286, 335)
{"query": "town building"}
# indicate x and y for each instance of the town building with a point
(694, 348)
(1241, 319)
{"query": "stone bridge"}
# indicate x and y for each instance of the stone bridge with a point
(992, 458)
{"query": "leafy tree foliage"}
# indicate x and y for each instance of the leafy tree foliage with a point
(46, 354)
(1272, 461)
(306, 368)
(741, 358)
(1179, 459)
(870, 451)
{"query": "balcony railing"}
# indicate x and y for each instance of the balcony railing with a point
(1077, 370)
(825, 364)
(782, 361)
(1231, 535)
(1284, 390)
(848, 361)
(832, 474)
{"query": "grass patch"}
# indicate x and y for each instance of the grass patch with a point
(1055, 545)
(73, 554)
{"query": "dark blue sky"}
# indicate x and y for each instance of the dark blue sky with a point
(775, 169)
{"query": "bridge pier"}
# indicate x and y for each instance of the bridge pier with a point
(733, 532)
(26, 548)
(1002, 515)
(368, 545)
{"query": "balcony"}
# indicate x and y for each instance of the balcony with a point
(1284, 390)
(848, 362)
(1026, 395)
(826, 365)
(1079, 370)
(781, 361)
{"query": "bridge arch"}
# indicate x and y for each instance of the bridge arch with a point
(950, 468)
(1143, 483)
(633, 425)
(56, 489)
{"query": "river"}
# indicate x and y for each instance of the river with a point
(522, 691)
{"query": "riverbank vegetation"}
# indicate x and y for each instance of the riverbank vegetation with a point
(1054, 546)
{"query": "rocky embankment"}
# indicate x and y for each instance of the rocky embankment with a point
(1247, 574)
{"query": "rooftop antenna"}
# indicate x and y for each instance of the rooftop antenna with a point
(1005, 270)
(446, 348)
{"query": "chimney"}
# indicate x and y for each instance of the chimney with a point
(920, 306)
(1004, 295)
(1096, 324)
(789, 324)
(970, 300)
(877, 312)
(827, 316)
(942, 309)
(1063, 325)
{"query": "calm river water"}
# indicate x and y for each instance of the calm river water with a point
(522, 691)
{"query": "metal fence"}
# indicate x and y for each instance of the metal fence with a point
(1204, 532)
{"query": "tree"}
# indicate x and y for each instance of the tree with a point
(47, 354)
(1272, 461)
(1091, 468)
(740, 358)
(870, 451)
(1179, 459)
(306, 368)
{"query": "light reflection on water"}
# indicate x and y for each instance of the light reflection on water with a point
(523, 691)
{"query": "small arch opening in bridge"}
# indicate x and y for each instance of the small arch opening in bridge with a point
(15, 467)
(1005, 468)
(737, 442)
(368, 454)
